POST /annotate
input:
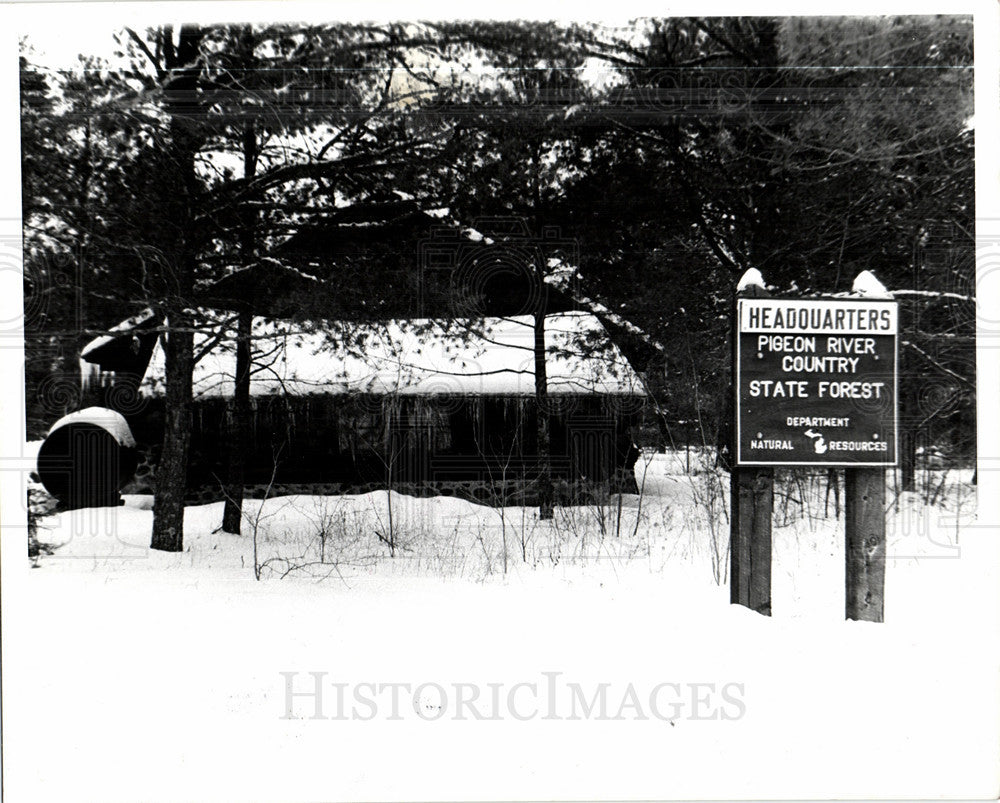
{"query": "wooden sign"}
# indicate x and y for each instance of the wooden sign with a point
(816, 382)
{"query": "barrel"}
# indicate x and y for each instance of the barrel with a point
(87, 458)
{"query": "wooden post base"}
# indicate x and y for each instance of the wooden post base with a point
(750, 547)
(864, 508)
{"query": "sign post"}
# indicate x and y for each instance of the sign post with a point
(865, 543)
(815, 384)
(752, 492)
(751, 505)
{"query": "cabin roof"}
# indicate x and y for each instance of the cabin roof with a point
(491, 356)
(119, 343)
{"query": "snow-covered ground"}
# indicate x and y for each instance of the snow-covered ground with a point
(141, 674)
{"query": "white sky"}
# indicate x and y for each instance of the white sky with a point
(58, 39)
(57, 47)
(61, 30)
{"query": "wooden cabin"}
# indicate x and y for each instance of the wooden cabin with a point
(419, 406)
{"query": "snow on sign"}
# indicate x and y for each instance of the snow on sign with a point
(816, 382)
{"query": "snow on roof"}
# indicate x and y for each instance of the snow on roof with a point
(109, 420)
(125, 326)
(492, 356)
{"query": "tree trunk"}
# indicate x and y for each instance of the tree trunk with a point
(171, 472)
(232, 515)
(909, 432)
(545, 502)
(832, 486)
(907, 459)
(239, 433)
(177, 283)
(544, 443)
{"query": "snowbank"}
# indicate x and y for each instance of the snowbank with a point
(188, 649)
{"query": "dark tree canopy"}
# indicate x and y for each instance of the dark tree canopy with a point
(667, 158)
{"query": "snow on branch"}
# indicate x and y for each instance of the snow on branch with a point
(943, 369)
(932, 294)
(560, 277)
